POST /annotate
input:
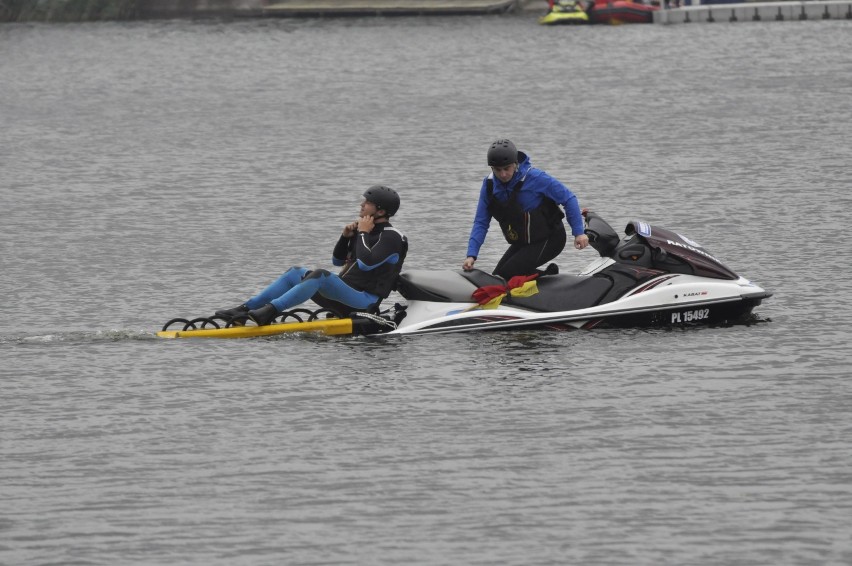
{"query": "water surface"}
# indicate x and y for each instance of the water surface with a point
(154, 170)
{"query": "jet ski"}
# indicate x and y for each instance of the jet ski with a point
(652, 277)
(565, 12)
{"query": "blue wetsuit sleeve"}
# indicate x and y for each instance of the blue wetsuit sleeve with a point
(481, 222)
(561, 194)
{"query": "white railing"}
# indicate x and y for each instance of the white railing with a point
(789, 10)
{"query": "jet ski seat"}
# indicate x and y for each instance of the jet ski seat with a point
(444, 286)
(564, 293)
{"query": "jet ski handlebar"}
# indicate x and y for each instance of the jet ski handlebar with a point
(601, 235)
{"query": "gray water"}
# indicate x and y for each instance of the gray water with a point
(155, 170)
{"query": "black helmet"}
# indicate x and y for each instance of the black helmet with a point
(384, 198)
(502, 153)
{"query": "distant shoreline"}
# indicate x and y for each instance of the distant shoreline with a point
(131, 10)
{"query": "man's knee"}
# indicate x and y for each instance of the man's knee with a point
(295, 270)
(316, 274)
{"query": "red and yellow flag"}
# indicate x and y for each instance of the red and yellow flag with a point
(490, 296)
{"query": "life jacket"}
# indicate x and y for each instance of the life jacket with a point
(381, 280)
(385, 283)
(518, 226)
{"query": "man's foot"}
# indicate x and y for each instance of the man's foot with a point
(552, 269)
(234, 312)
(264, 315)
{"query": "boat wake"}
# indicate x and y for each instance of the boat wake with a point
(78, 337)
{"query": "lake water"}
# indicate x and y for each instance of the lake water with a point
(163, 169)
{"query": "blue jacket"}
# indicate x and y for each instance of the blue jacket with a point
(537, 185)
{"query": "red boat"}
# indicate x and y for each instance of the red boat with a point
(620, 12)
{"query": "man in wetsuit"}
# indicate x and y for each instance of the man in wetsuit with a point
(370, 253)
(524, 200)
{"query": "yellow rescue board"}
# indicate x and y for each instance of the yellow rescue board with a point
(331, 327)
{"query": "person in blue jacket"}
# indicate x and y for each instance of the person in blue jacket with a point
(525, 201)
(370, 253)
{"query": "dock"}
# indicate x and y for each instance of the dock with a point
(342, 8)
(695, 12)
(749, 11)
(757, 12)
